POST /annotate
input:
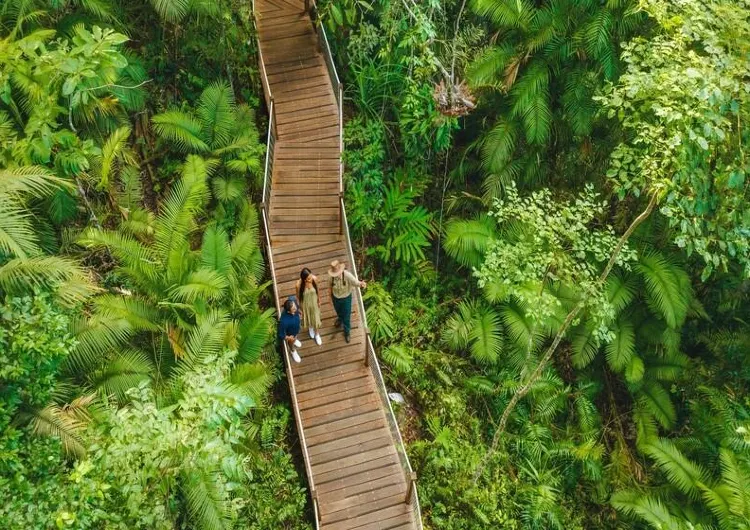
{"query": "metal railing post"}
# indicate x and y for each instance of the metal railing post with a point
(412, 478)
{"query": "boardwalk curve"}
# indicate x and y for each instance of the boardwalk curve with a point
(359, 474)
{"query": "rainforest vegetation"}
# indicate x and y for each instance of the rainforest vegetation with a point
(549, 200)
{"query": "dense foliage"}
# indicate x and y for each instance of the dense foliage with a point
(137, 357)
(550, 202)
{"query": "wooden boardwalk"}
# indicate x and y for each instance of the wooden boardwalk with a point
(358, 471)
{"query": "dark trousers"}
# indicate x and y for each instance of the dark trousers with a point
(343, 307)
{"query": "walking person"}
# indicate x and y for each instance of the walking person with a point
(289, 325)
(309, 299)
(343, 284)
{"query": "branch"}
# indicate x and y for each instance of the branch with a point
(521, 392)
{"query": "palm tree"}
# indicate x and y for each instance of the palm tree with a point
(145, 329)
(217, 128)
(649, 305)
(697, 498)
(543, 65)
(23, 264)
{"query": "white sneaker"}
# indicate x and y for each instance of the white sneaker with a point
(296, 357)
(318, 340)
(297, 343)
(312, 332)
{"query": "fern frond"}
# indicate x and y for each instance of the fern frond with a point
(656, 401)
(687, 476)
(621, 349)
(664, 287)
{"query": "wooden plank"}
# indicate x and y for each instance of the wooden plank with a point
(341, 356)
(362, 504)
(360, 481)
(376, 479)
(349, 389)
(353, 460)
(310, 237)
(323, 132)
(307, 248)
(298, 83)
(342, 424)
(362, 408)
(383, 519)
(398, 522)
(329, 109)
(305, 104)
(353, 405)
(311, 381)
(293, 68)
(340, 453)
(336, 474)
(331, 450)
(309, 70)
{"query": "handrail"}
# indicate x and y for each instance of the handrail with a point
(371, 360)
(265, 209)
(290, 377)
(338, 87)
(370, 357)
(267, 174)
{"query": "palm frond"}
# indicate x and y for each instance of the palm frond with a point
(53, 421)
(467, 240)
(215, 251)
(687, 476)
(111, 151)
(207, 500)
(206, 339)
(252, 378)
(181, 129)
(137, 311)
(648, 508)
(17, 235)
(34, 181)
(399, 357)
(202, 284)
(622, 348)
(254, 333)
(177, 217)
(216, 111)
(70, 282)
(127, 369)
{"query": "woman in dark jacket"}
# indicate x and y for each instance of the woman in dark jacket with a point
(289, 325)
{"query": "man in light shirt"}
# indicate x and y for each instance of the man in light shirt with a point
(343, 284)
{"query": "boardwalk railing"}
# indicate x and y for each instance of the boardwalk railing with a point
(371, 361)
(265, 208)
(370, 358)
(338, 88)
